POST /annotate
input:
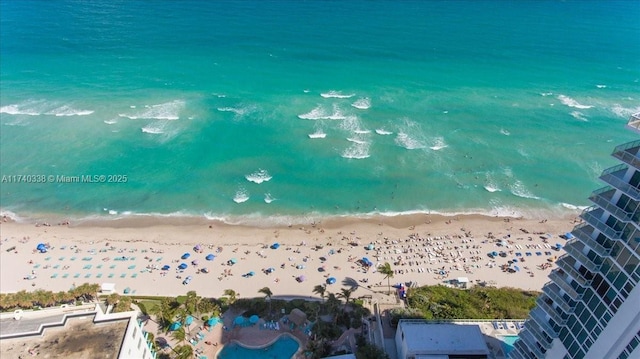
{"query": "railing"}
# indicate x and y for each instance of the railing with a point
(634, 121)
(610, 176)
(622, 153)
(551, 290)
(563, 263)
(553, 313)
(536, 332)
(530, 341)
(562, 283)
(595, 222)
(605, 203)
(539, 317)
(589, 241)
(572, 249)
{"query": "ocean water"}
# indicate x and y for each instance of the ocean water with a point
(274, 110)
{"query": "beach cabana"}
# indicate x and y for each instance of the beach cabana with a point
(275, 246)
(183, 266)
(297, 317)
(175, 326)
(210, 257)
(254, 319)
(331, 280)
(185, 256)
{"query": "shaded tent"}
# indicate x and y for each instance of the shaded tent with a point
(297, 317)
(166, 267)
(331, 280)
(210, 257)
(189, 320)
(185, 256)
(254, 319)
(275, 246)
(182, 266)
(175, 326)
(213, 321)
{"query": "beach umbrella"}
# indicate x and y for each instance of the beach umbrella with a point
(213, 321)
(494, 253)
(301, 278)
(568, 235)
(127, 290)
(516, 268)
(558, 246)
(370, 246)
(175, 326)
(189, 320)
(197, 248)
(210, 257)
(166, 267)
(185, 256)
(275, 246)
(182, 266)
(254, 319)
(331, 280)
(194, 262)
(515, 260)
(239, 320)
(233, 260)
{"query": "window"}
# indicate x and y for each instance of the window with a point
(135, 331)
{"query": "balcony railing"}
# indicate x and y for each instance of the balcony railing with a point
(562, 283)
(537, 333)
(634, 122)
(602, 200)
(592, 243)
(573, 250)
(628, 153)
(539, 317)
(521, 352)
(552, 291)
(613, 176)
(564, 264)
(530, 341)
(553, 313)
(594, 220)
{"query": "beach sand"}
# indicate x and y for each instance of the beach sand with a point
(419, 247)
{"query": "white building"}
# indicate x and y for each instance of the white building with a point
(419, 339)
(591, 307)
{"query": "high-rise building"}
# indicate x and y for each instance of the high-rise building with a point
(591, 307)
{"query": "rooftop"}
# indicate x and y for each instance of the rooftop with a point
(451, 339)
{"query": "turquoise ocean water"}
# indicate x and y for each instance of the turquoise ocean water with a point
(268, 110)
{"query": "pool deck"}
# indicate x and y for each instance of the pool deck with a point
(493, 330)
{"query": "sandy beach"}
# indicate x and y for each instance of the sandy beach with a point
(424, 249)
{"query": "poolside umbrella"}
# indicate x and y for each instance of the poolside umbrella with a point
(275, 246)
(213, 321)
(182, 266)
(175, 326)
(189, 320)
(210, 257)
(194, 262)
(331, 280)
(254, 319)
(166, 267)
(239, 320)
(301, 278)
(185, 256)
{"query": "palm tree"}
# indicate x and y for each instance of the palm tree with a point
(164, 312)
(184, 352)
(388, 273)
(320, 289)
(231, 295)
(267, 296)
(346, 294)
(179, 334)
(191, 302)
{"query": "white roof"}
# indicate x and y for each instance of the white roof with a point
(443, 339)
(463, 280)
(108, 287)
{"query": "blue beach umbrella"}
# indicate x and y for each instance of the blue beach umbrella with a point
(185, 256)
(233, 260)
(210, 257)
(166, 267)
(331, 280)
(517, 269)
(182, 266)
(275, 246)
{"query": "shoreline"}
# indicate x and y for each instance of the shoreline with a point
(420, 247)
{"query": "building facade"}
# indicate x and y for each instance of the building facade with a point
(590, 309)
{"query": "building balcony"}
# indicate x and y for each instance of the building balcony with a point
(521, 352)
(538, 316)
(602, 198)
(565, 263)
(562, 283)
(576, 253)
(531, 343)
(548, 308)
(536, 331)
(634, 122)
(592, 216)
(615, 177)
(628, 153)
(553, 291)
(585, 238)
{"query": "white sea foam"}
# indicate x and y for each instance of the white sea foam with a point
(42, 107)
(357, 151)
(335, 94)
(438, 144)
(238, 111)
(110, 122)
(153, 130)
(357, 140)
(568, 101)
(258, 176)
(545, 94)
(362, 132)
(403, 140)
(579, 116)
(320, 113)
(601, 86)
(519, 189)
(268, 198)
(164, 111)
(241, 196)
(383, 132)
(572, 206)
(505, 132)
(318, 134)
(68, 111)
(491, 188)
(624, 112)
(362, 103)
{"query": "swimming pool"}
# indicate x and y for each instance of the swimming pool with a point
(507, 343)
(283, 348)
